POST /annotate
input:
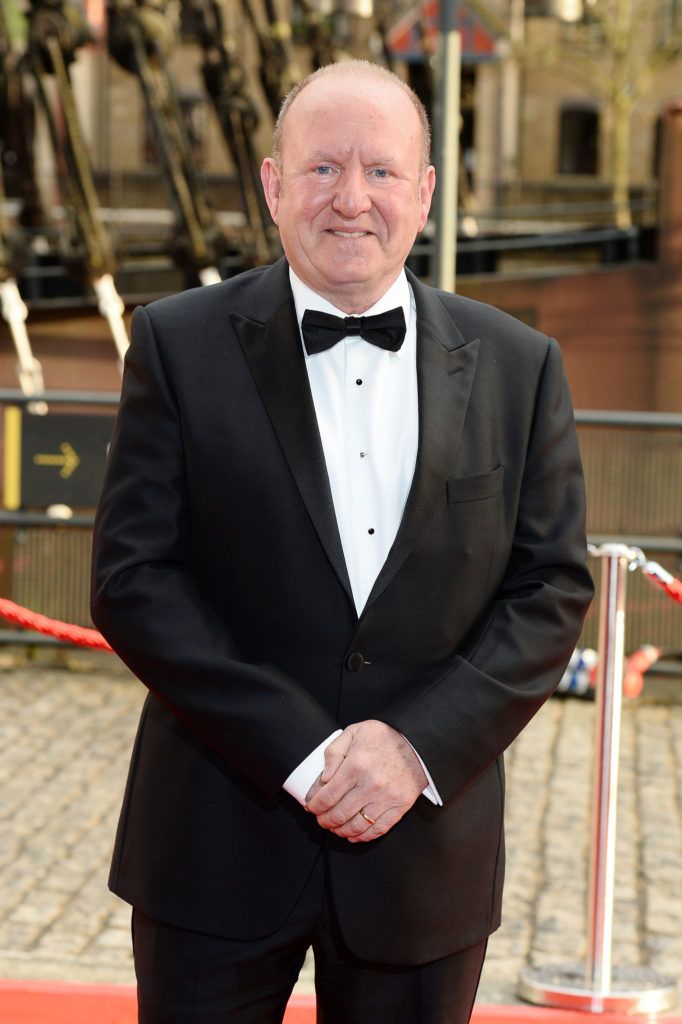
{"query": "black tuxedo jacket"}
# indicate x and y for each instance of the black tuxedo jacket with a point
(219, 578)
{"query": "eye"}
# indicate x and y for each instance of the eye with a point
(322, 171)
(380, 173)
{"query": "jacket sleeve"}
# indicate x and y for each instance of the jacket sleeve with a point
(146, 602)
(465, 713)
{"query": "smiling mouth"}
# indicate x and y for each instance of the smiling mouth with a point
(350, 234)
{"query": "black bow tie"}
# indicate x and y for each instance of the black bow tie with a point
(322, 331)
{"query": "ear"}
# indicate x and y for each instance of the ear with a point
(426, 187)
(272, 185)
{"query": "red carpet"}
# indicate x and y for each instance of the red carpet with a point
(40, 1002)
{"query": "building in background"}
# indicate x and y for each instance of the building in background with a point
(562, 99)
(545, 84)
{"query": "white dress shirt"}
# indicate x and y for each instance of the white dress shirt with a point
(365, 401)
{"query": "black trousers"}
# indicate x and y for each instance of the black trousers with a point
(185, 977)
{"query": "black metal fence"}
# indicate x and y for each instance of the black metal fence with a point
(633, 470)
(45, 558)
(633, 476)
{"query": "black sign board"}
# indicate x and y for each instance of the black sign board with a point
(56, 459)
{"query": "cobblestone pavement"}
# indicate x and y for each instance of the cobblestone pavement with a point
(65, 738)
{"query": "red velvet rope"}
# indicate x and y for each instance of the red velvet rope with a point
(668, 584)
(674, 590)
(79, 635)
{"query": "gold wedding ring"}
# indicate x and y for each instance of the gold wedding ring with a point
(361, 812)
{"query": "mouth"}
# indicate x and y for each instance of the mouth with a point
(349, 234)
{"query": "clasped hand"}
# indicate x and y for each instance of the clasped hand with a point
(369, 768)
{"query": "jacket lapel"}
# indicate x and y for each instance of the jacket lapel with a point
(446, 365)
(272, 347)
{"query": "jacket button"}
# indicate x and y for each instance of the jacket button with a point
(355, 661)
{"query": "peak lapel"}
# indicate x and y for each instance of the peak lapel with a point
(446, 365)
(275, 356)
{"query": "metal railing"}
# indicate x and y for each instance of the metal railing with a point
(504, 244)
(599, 986)
(633, 477)
(45, 561)
(633, 470)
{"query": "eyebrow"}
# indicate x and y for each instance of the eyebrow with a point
(323, 156)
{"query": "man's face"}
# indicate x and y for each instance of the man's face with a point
(349, 198)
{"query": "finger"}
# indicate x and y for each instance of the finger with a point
(381, 826)
(351, 788)
(337, 789)
(315, 788)
(343, 811)
(356, 825)
(334, 755)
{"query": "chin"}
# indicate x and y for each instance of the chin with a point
(350, 272)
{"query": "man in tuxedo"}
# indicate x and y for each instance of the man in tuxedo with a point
(341, 541)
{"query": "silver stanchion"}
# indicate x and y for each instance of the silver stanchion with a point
(597, 986)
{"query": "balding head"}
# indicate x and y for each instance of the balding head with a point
(359, 70)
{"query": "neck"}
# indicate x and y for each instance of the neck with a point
(353, 300)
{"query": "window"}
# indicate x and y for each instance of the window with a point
(578, 139)
(538, 9)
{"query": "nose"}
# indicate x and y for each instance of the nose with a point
(352, 195)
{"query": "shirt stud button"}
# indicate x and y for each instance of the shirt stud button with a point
(358, 382)
(371, 530)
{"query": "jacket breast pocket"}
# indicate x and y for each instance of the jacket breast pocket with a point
(474, 488)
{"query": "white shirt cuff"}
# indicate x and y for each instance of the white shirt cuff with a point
(300, 782)
(431, 793)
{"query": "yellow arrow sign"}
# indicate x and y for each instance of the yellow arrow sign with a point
(68, 460)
